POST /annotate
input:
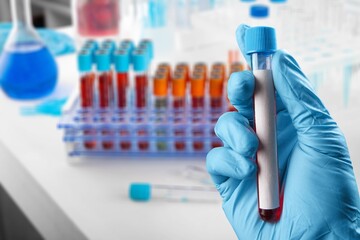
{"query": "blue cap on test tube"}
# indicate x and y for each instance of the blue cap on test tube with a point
(127, 45)
(140, 60)
(259, 11)
(150, 46)
(84, 61)
(140, 191)
(108, 44)
(102, 60)
(260, 39)
(91, 44)
(278, 1)
(122, 61)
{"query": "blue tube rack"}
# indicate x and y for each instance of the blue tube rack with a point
(146, 133)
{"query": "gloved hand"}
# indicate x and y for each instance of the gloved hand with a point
(319, 192)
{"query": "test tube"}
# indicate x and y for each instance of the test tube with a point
(141, 79)
(105, 90)
(260, 43)
(144, 192)
(197, 91)
(221, 68)
(186, 69)
(104, 79)
(201, 67)
(216, 91)
(140, 61)
(178, 98)
(122, 62)
(197, 104)
(86, 79)
(167, 69)
(160, 91)
(122, 78)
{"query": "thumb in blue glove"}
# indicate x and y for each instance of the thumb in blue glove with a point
(320, 198)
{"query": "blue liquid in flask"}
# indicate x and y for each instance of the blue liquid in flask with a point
(27, 71)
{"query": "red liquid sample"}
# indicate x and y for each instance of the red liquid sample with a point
(143, 145)
(87, 90)
(141, 84)
(107, 145)
(98, 17)
(178, 103)
(125, 145)
(122, 84)
(197, 102)
(179, 145)
(89, 144)
(198, 145)
(270, 215)
(215, 103)
(104, 90)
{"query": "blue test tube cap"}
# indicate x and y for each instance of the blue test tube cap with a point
(108, 44)
(84, 60)
(102, 60)
(150, 46)
(278, 1)
(128, 45)
(91, 44)
(259, 11)
(140, 192)
(260, 40)
(140, 60)
(122, 61)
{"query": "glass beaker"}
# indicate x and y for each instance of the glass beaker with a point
(27, 68)
(97, 18)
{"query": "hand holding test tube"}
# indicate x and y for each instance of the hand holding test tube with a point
(318, 192)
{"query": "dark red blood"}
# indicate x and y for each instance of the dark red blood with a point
(122, 84)
(104, 90)
(179, 103)
(215, 103)
(141, 85)
(197, 102)
(87, 90)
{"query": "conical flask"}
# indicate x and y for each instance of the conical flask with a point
(27, 68)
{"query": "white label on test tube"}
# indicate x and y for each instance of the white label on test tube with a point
(265, 127)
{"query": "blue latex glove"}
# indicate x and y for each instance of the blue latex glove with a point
(319, 191)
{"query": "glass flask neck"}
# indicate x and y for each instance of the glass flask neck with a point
(23, 36)
(21, 13)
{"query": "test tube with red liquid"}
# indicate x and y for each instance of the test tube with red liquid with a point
(140, 60)
(197, 105)
(178, 104)
(87, 79)
(160, 100)
(260, 44)
(105, 90)
(122, 63)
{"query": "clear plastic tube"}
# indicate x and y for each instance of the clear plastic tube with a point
(261, 44)
(172, 193)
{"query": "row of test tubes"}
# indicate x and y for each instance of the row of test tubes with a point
(123, 108)
(104, 73)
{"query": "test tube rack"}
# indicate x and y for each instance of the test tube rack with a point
(151, 131)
